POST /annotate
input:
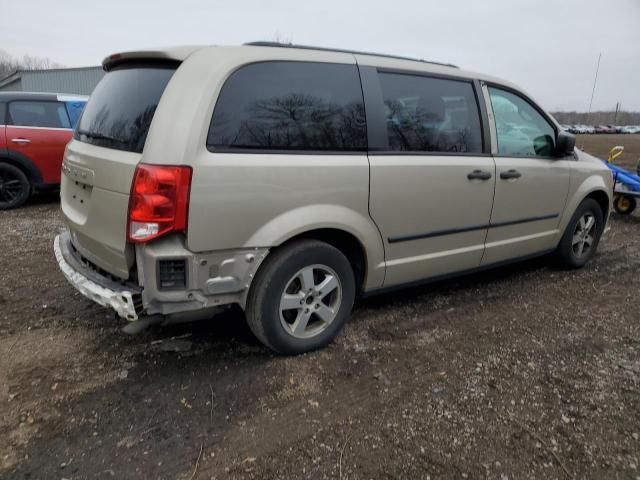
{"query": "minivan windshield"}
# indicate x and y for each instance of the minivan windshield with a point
(121, 108)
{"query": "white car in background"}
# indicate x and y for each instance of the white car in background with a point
(630, 129)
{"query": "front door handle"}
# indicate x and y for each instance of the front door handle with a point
(22, 141)
(509, 174)
(479, 175)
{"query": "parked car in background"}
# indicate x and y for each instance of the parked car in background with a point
(289, 180)
(630, 129)
(582, 129)
(605, 129)
(34, 130)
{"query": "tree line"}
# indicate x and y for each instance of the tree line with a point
(598, 118)
(10, 63)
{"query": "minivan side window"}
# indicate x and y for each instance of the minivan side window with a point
(38, 114)
(283, 105)
(521, 130)
(428, 114)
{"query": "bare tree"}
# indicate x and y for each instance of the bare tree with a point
(277, 38)
(9, 63)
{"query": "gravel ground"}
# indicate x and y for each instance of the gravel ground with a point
(522, 372)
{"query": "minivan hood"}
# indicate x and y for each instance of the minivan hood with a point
(586, 157)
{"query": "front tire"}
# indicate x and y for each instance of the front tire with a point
(14, 187)
(582, 235)
(301, 297)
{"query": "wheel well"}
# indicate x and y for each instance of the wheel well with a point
(603, 200)
(29, 174)
(348, 244)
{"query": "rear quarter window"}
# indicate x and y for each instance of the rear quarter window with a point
(290, 106)
(121, 108)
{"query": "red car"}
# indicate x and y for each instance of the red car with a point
(34, 130)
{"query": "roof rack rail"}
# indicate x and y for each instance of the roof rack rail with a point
(357, 52)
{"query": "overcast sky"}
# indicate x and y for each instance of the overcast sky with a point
(549, 47)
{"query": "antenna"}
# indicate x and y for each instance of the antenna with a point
(594, 82)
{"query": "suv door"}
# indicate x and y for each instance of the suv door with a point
(39, 130)
(431, 180)
(531, 184)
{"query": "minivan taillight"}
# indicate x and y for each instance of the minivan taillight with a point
(159, 201)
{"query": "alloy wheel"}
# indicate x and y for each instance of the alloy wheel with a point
(310, 301)
(10, 187)
(584, 235)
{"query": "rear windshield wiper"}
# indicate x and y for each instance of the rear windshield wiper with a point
(98, 136)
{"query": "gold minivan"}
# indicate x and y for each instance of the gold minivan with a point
(289, 179)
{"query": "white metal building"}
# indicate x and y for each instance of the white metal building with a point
(79, 81)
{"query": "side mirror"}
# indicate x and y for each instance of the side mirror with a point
(565, 144)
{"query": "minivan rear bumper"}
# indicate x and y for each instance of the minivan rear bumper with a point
(211, 279)
(120, 297)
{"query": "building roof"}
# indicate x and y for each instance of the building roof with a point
(10, 77)
(14, 75)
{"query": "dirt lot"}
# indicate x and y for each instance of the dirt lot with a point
(599, 145)
(522, 372)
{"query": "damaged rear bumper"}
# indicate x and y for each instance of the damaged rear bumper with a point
(102, 290)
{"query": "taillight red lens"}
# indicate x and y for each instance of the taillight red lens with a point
(159, 201)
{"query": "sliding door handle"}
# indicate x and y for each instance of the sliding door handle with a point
(479, 175)
(509, 174)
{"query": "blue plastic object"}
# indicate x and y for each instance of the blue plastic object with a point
(630, 180)
(74, 108)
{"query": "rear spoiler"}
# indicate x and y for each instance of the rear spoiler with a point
(176, 54)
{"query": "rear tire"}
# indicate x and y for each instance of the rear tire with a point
(624, 204)
(14, 187)
(301, 297)
(580, 239)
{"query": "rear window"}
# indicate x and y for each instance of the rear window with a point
(290, 106)
(121, 108)
(38, 114)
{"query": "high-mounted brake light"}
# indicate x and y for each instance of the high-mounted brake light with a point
(159, 201)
